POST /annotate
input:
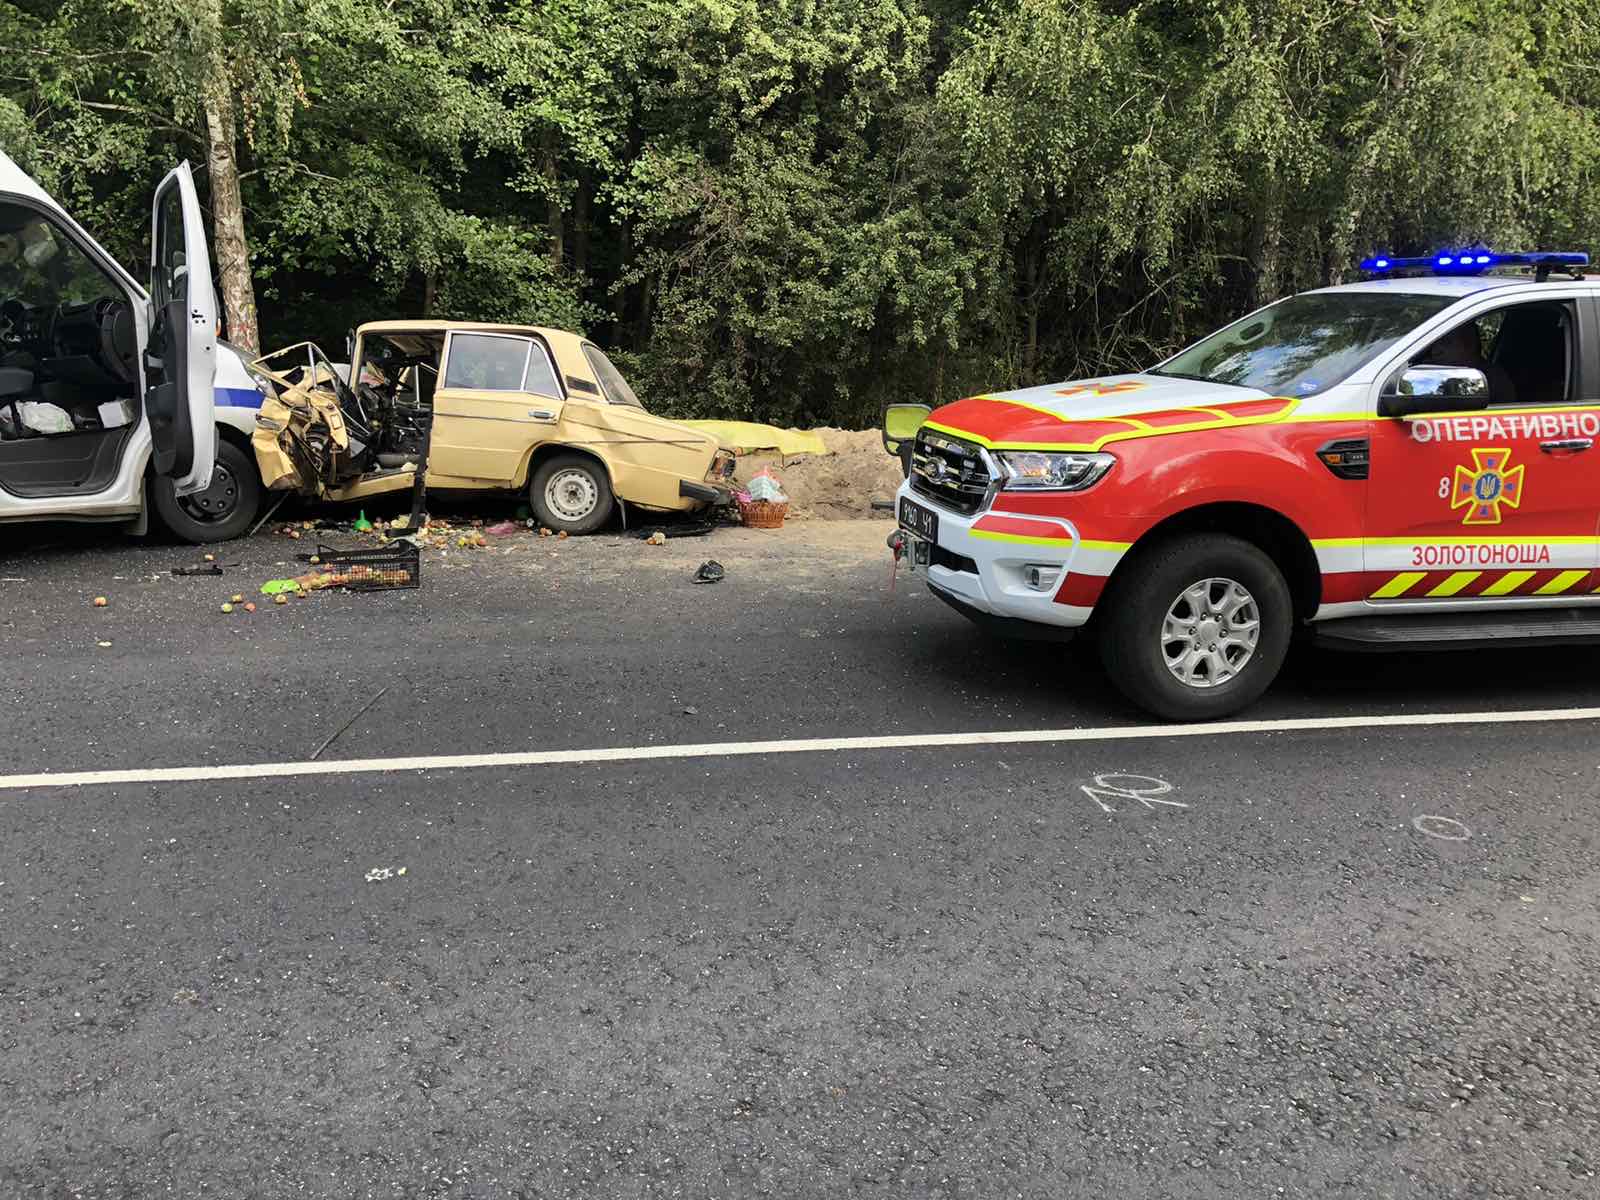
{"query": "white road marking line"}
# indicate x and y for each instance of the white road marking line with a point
(893, 741)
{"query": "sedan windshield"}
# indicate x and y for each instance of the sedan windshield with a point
(1305, 344)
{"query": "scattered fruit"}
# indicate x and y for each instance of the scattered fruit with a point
(236, 599)
(316, 558)
(227, 608)
(211, 558)
(249, 606)
(280, 598)
(101, 602)
(561, 535)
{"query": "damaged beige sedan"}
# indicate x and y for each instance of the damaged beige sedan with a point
(500, 408)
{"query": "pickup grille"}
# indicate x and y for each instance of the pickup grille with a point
(950, 471)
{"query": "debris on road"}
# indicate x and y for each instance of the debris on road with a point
(656, 539)
(227, 608)
(101, 602)
(503, 529)
(711, 571)
(763, 503)
(356, 716)
(207, 568)
(379, 874)
(837, 485)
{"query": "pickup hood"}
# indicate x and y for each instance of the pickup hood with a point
(1089, 413)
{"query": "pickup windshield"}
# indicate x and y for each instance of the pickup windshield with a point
(1305, 344)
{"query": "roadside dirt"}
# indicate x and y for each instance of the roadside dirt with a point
(840, 485)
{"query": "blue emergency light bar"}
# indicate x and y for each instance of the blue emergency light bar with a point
(1470, 262)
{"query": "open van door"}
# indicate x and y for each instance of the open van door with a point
(181, 362)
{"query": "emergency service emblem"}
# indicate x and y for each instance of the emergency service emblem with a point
(1483, 487)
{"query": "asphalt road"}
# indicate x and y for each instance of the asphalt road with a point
(1355, 962)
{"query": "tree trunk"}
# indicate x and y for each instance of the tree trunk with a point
(1030, 264)
(553, 219)
(580, 230)
(228, 240)
(430, 293)
(1266, 246)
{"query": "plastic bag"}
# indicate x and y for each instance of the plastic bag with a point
(764, 485)
(38, 416)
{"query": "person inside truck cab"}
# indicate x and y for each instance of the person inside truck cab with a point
(1529, 359)
(1462, 347)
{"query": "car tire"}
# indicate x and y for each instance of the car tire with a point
(1160, 616)
(224, 510)
(571, 493)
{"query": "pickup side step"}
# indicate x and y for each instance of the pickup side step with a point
(1461, 631)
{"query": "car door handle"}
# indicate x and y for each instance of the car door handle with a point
(542, 414)
(1567, 445)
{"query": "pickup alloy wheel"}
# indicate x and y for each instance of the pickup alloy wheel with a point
(1196, 627)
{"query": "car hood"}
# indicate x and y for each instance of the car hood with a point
(1089, 413)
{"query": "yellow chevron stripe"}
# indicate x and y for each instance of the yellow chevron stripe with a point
(1398, 586)
(1456, 582)
(1560, 583)
(1507, 583)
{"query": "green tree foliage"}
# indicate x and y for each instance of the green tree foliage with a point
(798, 209)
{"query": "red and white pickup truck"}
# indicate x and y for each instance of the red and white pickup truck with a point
(1404, 462)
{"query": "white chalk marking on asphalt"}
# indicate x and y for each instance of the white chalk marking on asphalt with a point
(893, 741)
(1446, 829)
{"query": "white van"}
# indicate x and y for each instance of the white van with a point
(107, 403)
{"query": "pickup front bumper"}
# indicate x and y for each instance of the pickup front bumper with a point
(1012, 566)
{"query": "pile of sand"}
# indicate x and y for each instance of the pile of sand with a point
(836, 486)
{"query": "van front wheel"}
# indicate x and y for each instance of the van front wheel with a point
(223, 509)
(1197, 628)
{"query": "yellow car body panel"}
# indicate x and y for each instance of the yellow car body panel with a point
(487, 439)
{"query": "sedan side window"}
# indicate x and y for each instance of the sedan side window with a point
(487, 362)
(541, 375)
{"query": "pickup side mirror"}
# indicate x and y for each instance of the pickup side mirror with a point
(1423, 389)
(900, 425)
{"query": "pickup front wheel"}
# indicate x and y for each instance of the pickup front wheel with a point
(1197, 627)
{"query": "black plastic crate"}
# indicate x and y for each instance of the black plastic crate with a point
(381, 569)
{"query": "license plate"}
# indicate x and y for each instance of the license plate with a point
(922, 522)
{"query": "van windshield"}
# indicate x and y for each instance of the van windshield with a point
(1305, 344)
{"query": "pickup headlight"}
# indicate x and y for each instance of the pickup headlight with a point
(1051, 471)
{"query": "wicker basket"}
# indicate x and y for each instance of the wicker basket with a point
(763, 514)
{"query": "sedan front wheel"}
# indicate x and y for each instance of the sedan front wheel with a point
(570, 493)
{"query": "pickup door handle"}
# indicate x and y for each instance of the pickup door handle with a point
(1567, 445)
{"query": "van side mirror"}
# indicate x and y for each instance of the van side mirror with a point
(1423, 389)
